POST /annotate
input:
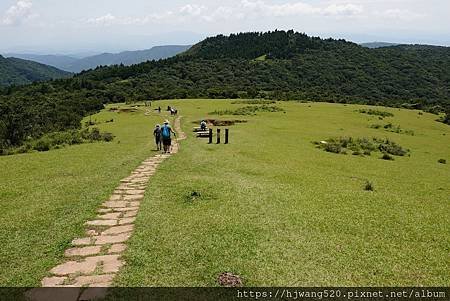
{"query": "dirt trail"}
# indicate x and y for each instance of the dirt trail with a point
(94, 260)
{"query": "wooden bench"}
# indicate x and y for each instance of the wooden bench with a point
(202, 134)
(199, 129)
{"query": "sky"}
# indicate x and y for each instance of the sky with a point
(85, 26)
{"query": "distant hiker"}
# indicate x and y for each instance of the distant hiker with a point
(166, 132)
(158, 109)
(169, 108)
(157, 135)
(203, 125)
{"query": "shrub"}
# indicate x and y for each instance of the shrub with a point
(387, 157)
(392, 148)
(107, 137)
(43, 144)
(361, 146)
(254, 102)
(333, 148)
(368, 186)
(249, 110)
(376, 112)
(442, 161)
(367, 153)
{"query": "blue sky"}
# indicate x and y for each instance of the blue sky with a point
(63, 26)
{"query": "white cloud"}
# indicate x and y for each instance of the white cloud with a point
(107, 19)
(343, 10)
(300, 8)
(19, 12)
(193, 10)
(401, 14)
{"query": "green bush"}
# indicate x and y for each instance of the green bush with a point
(368, 186)
(43, 144)
(376, 112)
(392, 148)
(361, 146)
(58, 140)
(442, 161)
(248, 110)
(387, 157)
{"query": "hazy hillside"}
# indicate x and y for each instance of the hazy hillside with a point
(58, 61)
(127, 58)
(14, 71)
(378, 44)
(276, 65)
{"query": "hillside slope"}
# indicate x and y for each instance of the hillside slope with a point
(15, 71)
(276, 65)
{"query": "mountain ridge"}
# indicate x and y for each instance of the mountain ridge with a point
(76, 65)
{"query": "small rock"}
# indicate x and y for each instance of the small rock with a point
(229, 280)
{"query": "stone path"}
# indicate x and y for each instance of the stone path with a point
(93, 260)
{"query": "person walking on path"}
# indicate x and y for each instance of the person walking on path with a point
(166, 134)
(157, 135)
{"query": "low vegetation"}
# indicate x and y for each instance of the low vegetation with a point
(254, 102)
(375, 112)
(217, 122)
(442, 161)
(57, 140)
(389, 127)
(248, 110)
(361, 146)
(368, 186)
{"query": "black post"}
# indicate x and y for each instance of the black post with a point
(226, 136)
(218, 136)
(210, 136)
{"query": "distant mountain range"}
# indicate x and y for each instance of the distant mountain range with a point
(14, 71)
(76, 65)
(378, 44)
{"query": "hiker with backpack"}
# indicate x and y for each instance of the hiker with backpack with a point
(157, 135)
(166, 133)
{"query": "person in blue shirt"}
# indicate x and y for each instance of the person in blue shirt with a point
(166, 134)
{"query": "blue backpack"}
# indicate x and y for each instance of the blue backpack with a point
(166, 131)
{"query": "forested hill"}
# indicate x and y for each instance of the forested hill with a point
(289, 65)
(277, 65)
(15, 71)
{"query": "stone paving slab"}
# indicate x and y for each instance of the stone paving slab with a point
(84, 251)
(128, 220)
(81, 241)
(115, 204)
(111, 239)
(102, 222)
(126, 209)
(53, 281)
(114, 215)
(118, 230)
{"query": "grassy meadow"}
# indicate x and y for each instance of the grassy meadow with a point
(270, 206)
(47, 196)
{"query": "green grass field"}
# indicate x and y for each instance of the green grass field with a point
(272, 208)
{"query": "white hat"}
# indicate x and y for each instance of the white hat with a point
(166, 122)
